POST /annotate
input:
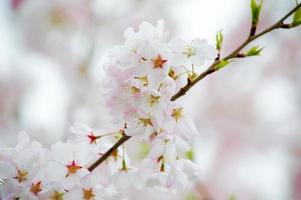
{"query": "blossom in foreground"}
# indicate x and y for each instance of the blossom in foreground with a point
(29, 171)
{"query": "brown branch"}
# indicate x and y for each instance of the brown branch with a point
(211, 69)
(235, 53)
(122, 140)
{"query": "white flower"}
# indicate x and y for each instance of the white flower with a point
(177, 121)
(90, 189)
(68, 164)
(144, 79)
(93, 142)
(139, 123)
(53, 192)
(196, 52)
(84, 134)
(123, 179)
(148, 32)
(23, 169)
(168, 149)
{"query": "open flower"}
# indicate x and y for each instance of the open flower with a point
(21, 169)
(195, 52)
(91, 189)
(68, 164)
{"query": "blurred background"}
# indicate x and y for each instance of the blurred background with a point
(248, 114)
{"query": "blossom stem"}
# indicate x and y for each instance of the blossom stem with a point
(213, 68)
(123, 139)
(234, 54)
(108, 134)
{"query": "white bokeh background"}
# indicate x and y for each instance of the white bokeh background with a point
(248, 114)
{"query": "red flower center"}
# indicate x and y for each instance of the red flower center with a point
(72, 168)
(92, 138)
(36, 187)
(158, 62)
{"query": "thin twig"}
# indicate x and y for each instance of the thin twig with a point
(123, 139)
(233, 54)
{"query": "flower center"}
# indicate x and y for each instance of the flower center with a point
(158, 62)
(145, 122)
(152, 100)
(190, 51)
(135, 90)
(177, 113)
(21, 175)
(88, 194)
(143, 79)
(72, 168)
(36, 188)
(92, 138)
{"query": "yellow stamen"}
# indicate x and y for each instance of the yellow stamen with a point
(158, 62)
(153, 100)
(145, 122)
(190, 51)
(36, 188)
(135, 90)
(72, 168)
(88, 194)
(177, 113)
(143, 79)
(21, 175)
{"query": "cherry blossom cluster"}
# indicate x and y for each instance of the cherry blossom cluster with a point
(142, 76)
(30, 171)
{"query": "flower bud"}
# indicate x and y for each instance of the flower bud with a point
(255, 10)
(297, 17)
(219, 40)
(254, 51)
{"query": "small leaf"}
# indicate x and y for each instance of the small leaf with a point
(190, 155)
(222, 64)
(297, 16)
(254, 51)
(192, 76)
(219, 40)
(255, 10)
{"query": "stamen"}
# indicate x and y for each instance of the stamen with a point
(72, 168)
(158, 62)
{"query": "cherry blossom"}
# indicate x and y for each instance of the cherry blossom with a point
(142, 76)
